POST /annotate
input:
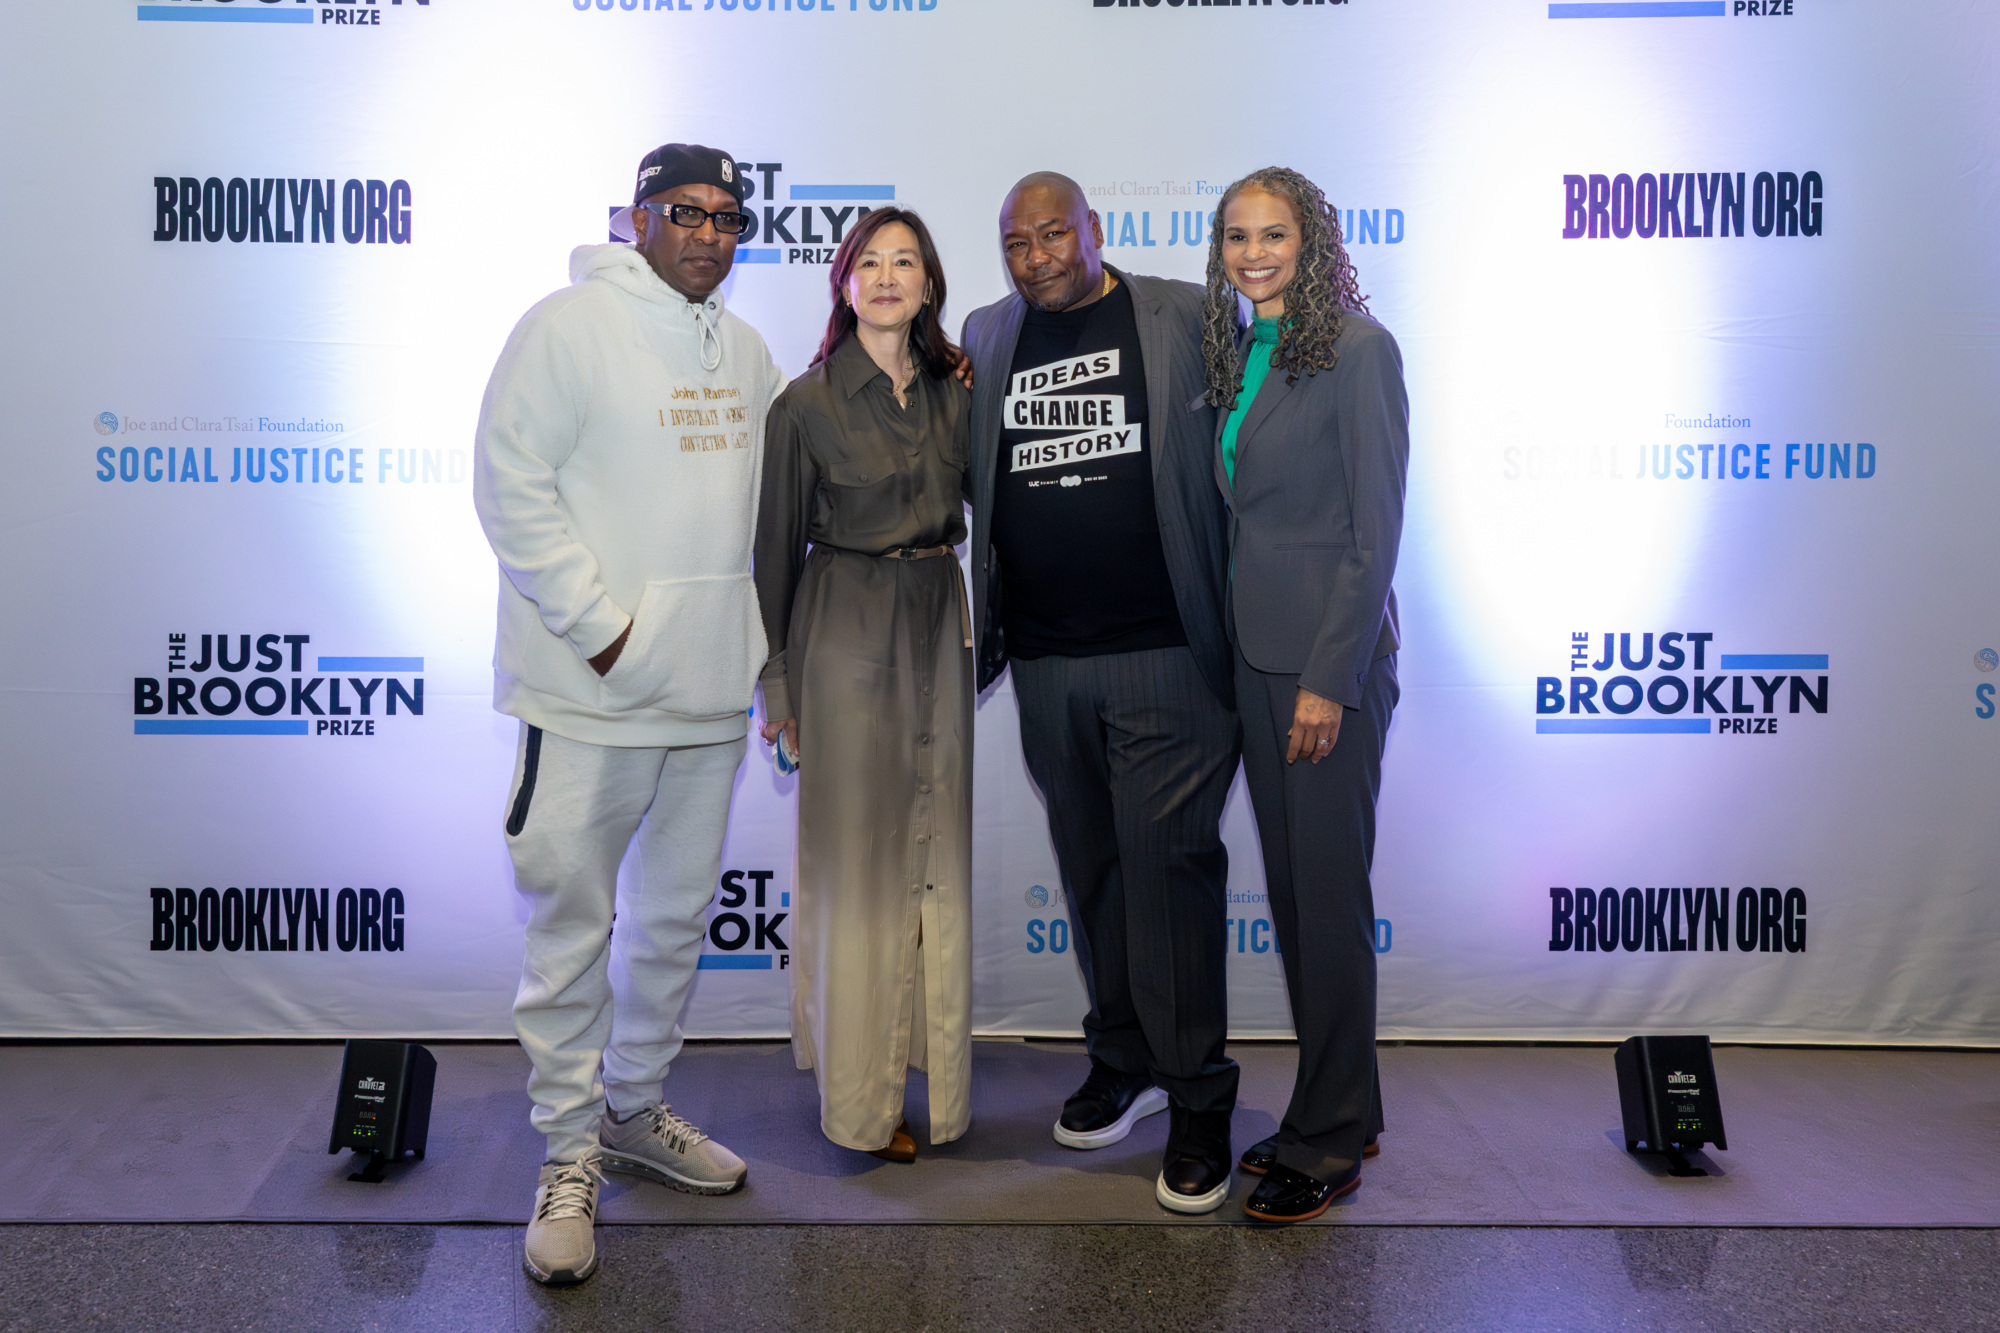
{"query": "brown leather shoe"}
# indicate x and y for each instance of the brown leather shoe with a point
(902, 1146)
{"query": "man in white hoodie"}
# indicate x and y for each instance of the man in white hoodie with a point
(618, 459)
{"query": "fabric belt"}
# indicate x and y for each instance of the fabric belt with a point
(958, 580)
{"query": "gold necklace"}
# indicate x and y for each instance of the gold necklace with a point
(1107, 285)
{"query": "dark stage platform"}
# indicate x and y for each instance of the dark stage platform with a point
(1478, 1135)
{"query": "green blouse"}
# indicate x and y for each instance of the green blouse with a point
(1256, 365)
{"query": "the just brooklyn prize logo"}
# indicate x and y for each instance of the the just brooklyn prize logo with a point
(743, 936)
(1676, 683)
(105, 423)
(791, 221)
(261, 685)
(1673, 9)
(298, 13)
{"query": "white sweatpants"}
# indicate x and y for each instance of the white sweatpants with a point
(571, 814)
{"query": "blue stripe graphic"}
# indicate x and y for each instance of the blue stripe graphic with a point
(1645, 726)
(175, 14)
(843, 192)
(758, 255)
(217, 726)
(1642, 9)
(411, 664)
(1774, 662)
(735, 962)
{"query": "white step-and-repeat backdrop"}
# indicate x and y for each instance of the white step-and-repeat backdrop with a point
(1701, 311)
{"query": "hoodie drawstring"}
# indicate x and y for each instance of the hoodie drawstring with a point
(711, 335)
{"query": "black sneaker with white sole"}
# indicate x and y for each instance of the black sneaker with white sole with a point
(1105, 1108)
(1194, 1172)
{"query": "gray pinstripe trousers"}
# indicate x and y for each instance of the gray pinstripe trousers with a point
(1134, 756)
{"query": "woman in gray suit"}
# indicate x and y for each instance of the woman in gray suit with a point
(1311, 458)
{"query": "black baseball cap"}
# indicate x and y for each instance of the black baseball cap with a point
(676, 164)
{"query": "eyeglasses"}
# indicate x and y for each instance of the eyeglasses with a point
(691, 217)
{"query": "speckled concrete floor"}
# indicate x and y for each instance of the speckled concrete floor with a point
(1045, 1279)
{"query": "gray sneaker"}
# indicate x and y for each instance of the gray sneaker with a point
(561, 1246)
(661, 1146)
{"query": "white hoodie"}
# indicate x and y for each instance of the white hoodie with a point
(616, 472)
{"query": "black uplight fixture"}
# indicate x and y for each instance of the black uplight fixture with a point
(384, 1104)
(1666, 1091)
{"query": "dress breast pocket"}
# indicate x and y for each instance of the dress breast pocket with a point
(865, 498)
(852, 474)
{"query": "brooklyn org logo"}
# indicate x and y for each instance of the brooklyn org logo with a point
(1691, 204)
(1676, 920)
(277, 920)
(797, 223)
(105, 423)
(280, 210)
(203, 692)
(1743, 697)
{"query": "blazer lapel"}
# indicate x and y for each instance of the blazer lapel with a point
(1215, 458)
(1271, 395)
(990, 368)
(1146, 315)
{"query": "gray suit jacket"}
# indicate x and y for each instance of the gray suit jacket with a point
(1192, 531)
(1316, 515)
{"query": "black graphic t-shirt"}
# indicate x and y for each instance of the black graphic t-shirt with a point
(1074, 526)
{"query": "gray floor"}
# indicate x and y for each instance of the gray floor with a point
(320, 1279)
(1485, 1135)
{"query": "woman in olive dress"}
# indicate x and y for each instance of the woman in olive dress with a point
(870, 685)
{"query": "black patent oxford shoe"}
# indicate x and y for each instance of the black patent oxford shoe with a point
(1285, 1195)
(1257, 1158)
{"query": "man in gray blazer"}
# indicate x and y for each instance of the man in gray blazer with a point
(1098, 570)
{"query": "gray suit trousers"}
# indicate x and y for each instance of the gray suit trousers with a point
(1316, 823)
(1134, 755)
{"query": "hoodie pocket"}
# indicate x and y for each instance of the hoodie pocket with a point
(696, 648)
